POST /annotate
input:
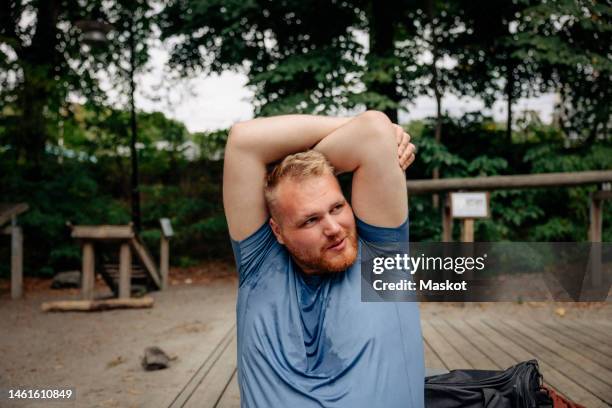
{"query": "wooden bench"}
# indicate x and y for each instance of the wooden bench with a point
(128, 241)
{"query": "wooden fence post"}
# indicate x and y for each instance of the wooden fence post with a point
(16, 260)
(164, 261)
(125, 271)
(164, 250)
(596, 204)
(447, 220)
(467, 230)
(88, 271)
(595, 218)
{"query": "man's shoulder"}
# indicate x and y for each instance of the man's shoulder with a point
(257, 251)
(375, 234)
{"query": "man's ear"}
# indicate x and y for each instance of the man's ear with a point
(276, 230)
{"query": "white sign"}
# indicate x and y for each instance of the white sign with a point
(166, 227)
(470, 205)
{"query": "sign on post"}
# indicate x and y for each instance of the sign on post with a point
(164, 250)
(166, 227)
(470, 205)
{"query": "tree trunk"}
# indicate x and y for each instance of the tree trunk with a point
(135, 196)
(382, 46)
(510, 97)
(435, 84)
(39, 61)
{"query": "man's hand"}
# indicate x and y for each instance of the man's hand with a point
(405, 149)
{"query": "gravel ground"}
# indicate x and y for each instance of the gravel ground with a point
(99, 353)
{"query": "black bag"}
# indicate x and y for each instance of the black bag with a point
(519, 386)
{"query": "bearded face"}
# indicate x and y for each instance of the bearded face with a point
(336, 255)
(316, 224)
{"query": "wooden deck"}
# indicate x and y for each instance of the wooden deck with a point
(574, 353)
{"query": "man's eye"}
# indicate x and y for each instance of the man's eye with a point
(310, 221)
(337, 208)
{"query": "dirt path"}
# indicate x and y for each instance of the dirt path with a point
(99, 353)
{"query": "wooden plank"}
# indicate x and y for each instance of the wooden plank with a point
(213, 385)
(102, 232)
(231, 395)
(431, 358)
(501, 359)
(97, 305)
(559, 334)
(175, 388)
(16, 261)
(558, 379)
(472, 355)
(146, 260)
(595, 370)
(575, 178)
(9, 211)
(164, 261)
(125, 272)
(452, 358)
(467, 230)
(87, 282)
(590, 333)
(585, 379)
(194, 382)
(606, 323)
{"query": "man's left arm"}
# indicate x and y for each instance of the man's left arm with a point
(368, 146)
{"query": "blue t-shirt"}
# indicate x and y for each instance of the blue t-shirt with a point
(309, 341)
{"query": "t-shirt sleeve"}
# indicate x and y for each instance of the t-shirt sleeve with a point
(251, 252)
(373, 234)
(383, 242)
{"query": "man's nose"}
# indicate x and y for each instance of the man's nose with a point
(331, 226)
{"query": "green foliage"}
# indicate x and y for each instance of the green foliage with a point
(554, 214)
(70, 192)
(44, 59)
(570, 41)
(299, 57)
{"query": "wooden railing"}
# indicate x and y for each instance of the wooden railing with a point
(522, 181)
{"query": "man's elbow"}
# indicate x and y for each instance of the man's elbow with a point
(376, 117)
(378, 130)
(236, 136)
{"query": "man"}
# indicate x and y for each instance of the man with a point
(305, 339)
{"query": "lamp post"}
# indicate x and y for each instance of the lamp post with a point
(94, 33)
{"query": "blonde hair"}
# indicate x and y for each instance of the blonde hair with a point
(298, 166)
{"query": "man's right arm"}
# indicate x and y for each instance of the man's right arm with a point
(250, 147)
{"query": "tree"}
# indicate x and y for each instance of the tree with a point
(299, 56)
(45, 64)
(571, 43)
(486, 50)
(427, 44)
(381, 77)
